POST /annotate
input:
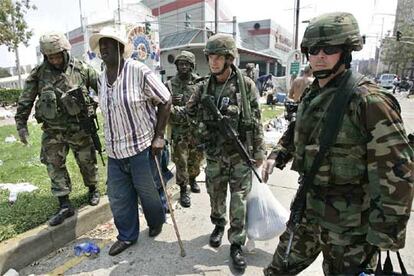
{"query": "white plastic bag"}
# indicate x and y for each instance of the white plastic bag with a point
(266, 217)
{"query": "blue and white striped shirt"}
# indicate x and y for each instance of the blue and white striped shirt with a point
(129, 109)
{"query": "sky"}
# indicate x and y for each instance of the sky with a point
(374, 17)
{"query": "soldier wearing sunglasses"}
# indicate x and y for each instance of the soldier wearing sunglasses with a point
(359, 198)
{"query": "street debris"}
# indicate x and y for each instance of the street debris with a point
(17, 188)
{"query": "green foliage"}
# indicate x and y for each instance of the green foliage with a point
(21, 164)
(9, 96)
(270, 112)
(399, 54)
(4, 73)
(14, 29)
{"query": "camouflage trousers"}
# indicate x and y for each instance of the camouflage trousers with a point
(219, 174)
(342, 254)
(187, 159)
(55, 148)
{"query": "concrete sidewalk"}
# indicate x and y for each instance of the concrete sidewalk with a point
(34, 244)
(161, 256)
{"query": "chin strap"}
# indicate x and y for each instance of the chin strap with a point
(226, 65)
(345, 58)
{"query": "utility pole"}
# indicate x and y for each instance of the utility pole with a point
(216, 16)
(16, 52)
(119, 12)
(234, 28)
(296, 17)
(380, 49)
(80, 13)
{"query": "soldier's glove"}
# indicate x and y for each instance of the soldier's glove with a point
(23, 135)
(267, 169)
(282, 159)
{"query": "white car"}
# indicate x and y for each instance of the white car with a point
(386, 80)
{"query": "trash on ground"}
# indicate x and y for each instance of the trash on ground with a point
(11, 272)
(16, 188)
(86, 248)
(10, 139)
(5, 114)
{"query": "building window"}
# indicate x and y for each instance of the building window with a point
(170, 58)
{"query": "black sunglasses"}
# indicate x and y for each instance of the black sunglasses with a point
(328, 50)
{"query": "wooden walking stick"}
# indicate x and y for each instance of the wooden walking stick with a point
(180, 243)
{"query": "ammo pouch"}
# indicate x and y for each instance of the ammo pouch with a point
(233, 113)
(46, 106)
(71, 104)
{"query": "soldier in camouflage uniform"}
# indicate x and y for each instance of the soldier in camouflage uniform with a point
(360, 199)
(249, 71)
(60, 116)
(186, 156)
(235, 97)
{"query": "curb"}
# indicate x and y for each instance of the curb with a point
(34, 244)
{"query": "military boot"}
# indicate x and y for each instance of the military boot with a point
(194, 186)
(93, 196)
(185, 200)
(216, 236)
(65, 211)
(236, 254)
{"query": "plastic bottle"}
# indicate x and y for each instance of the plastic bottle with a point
(86, 248)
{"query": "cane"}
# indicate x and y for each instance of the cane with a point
(170, 207)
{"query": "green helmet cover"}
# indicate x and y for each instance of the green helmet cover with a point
(338, 28)
(221, 44)
(186, 56)
(53, 42)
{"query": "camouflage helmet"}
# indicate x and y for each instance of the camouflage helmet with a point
(53, 42)
(338, 28)
(250, 66)
(221, 44)
(185, 56)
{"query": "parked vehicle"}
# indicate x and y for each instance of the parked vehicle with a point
(386, 80)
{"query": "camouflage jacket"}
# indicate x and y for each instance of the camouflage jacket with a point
(46, 85)
(181, 92)
(216, 143)
(364, 185)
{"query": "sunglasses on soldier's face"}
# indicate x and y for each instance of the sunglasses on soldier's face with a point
(328, 50)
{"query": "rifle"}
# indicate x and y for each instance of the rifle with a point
(89, 123)
(297, 210)
(229, 132)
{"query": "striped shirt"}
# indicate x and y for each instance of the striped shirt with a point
(129, 109)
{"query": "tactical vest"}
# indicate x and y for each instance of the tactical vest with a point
(181, 90)
(337, 199)
(231, 96)
(54, 107)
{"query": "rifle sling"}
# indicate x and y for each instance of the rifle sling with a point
(330, 129)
